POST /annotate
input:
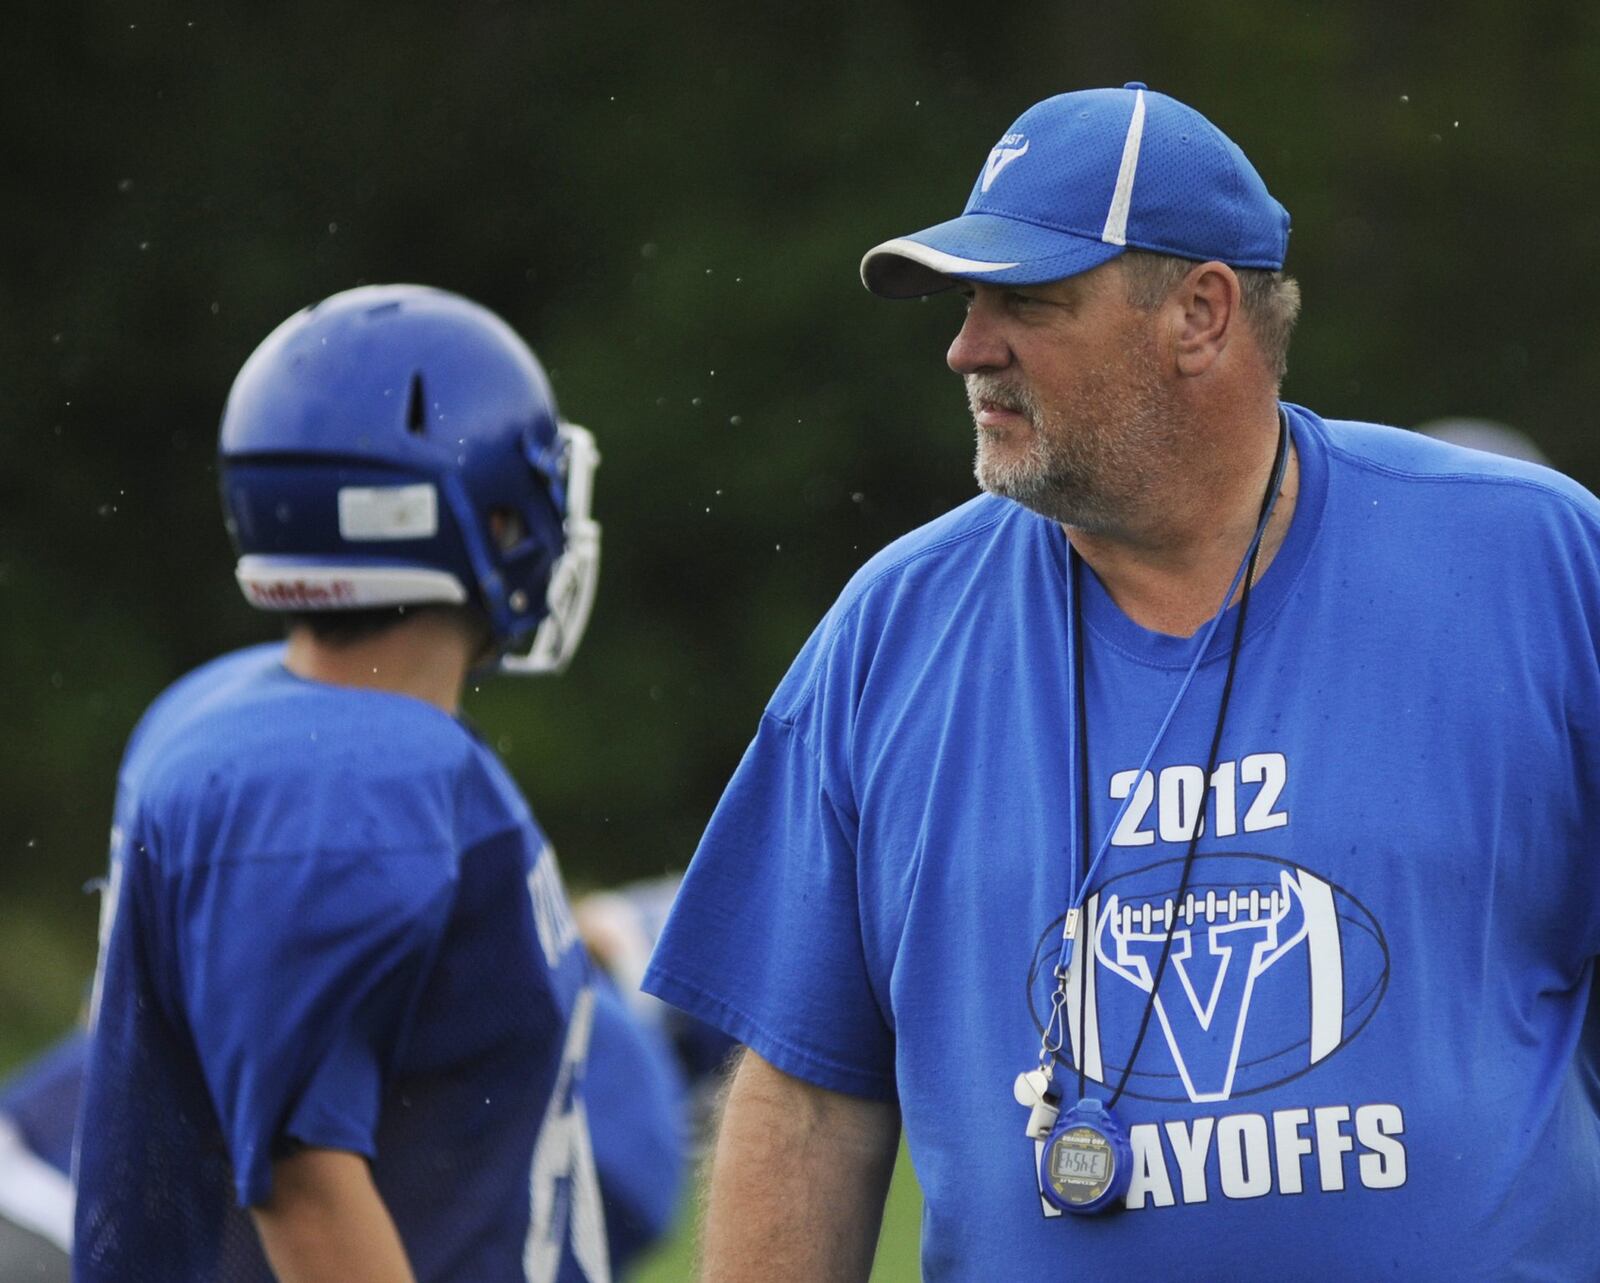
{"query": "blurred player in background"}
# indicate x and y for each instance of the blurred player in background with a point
(621, 927)
(342, 1019)
(1487, 435)
(38, 1107)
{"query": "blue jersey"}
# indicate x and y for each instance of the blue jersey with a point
(638, 1110)
(1370, 1055)
(38, 1107)
(640, 1132)
(629, 919)
(331, 922)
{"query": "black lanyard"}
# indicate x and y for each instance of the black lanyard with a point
(1274, 483)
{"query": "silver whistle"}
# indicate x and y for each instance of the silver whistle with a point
(1032, 1088)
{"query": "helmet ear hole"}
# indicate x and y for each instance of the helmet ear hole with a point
(417, 407)
(507, 529)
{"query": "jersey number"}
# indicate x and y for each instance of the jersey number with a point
(563, 1187)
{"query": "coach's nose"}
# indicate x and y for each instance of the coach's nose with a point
(979, 345)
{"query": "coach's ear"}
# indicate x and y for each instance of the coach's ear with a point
(1209, 298)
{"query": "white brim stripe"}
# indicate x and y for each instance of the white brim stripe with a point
(933, 259)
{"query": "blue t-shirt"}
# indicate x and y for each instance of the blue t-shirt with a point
(1368, 1057)
(331, 922)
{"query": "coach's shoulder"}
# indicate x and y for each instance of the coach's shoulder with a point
(1442, 484)
(1417, 457)
(919, 572)
(904, 589)
(947, 540)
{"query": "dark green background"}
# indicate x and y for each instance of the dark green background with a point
(669, 202)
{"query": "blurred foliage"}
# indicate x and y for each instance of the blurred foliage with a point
(670, 202)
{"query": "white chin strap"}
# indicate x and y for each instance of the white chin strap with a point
(576, 573)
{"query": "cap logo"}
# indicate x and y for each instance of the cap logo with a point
(1116, 228)
(1005, 151)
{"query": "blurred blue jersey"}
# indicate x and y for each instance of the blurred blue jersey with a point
(40, 1102)
(640, 1134)
(628, 920)
(331, 921)
(37, 1109)
(639, 1121)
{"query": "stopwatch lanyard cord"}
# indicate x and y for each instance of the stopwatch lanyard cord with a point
(1194, 842)
(1274, 481)
(1081, 784)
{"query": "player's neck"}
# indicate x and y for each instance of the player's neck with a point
(427, 657)
(1170, 575)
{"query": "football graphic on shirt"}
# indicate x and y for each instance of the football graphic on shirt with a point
(1272, 969)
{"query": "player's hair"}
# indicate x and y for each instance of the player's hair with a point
(347, 627)
(1270, 300)
(344, 627)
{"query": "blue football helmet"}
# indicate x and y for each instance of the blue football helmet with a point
(399, 445)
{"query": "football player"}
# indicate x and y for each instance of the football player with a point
(342, 1016)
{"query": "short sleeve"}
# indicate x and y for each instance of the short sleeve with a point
(300, 975)
(765, 940)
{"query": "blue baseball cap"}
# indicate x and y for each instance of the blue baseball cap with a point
(1080, 178)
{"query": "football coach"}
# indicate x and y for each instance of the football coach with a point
(1191, 840)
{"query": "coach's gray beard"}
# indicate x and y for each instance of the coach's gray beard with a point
(1044, 477)
(1089, 463)
(1021, 474)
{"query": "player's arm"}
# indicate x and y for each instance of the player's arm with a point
(797, 1182)
(325, 1223)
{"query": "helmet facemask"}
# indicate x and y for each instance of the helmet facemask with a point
(574, 576)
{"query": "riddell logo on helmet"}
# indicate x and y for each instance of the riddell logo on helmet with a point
(299, 594)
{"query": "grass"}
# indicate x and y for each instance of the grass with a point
(898, 1245)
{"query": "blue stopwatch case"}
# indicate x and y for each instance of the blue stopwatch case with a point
(1087, 1163)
